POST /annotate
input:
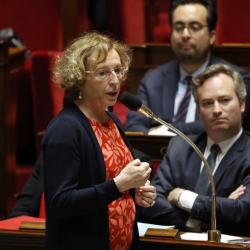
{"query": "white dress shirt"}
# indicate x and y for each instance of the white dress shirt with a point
(182, 87)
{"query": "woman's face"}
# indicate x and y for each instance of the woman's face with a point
(102, 84)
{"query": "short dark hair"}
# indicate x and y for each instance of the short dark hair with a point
(210, 5)
(216, 69)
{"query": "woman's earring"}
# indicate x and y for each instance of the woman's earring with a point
(80, 96)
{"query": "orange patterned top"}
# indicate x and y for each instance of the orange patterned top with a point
(122, 210)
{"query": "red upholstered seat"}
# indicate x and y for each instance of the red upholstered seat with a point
(161, 31)
(42, 213)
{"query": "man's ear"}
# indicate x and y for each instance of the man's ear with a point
(242, 106)
(212, 37)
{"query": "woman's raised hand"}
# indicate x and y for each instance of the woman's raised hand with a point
(133, 175)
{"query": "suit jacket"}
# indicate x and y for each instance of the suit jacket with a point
(158, 90)
(77, 193)
(233, 216)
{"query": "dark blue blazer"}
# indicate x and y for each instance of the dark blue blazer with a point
(157, 90)
(77, 193)
(181, 168)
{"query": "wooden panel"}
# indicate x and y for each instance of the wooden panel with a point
(238, 54)
(153, 146)
(33, 240)
(146, 56)
(158, 243)
(21, 240)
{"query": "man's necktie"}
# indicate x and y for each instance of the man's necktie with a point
(203, 180)
(183, 108)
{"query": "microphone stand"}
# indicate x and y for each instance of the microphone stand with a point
(213, 234)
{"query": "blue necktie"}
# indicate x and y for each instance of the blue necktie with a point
(183, 108)
(203, 180)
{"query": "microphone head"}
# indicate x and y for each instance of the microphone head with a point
(130, 100)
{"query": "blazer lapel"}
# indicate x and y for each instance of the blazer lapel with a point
(194, 172)
(194, 162)
(169, 91)
(230, 158)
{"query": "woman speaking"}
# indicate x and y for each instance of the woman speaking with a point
(92, 181)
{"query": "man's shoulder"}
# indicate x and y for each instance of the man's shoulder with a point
(168, 72)
(168, 67)
(246, 135)
(179, 142)
(215, 60)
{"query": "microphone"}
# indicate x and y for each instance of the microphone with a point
(135, 104)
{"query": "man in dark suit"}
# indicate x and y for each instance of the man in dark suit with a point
(163, 89)
(183, 195)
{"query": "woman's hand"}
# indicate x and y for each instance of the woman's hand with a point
(145, 196)
(134, 175)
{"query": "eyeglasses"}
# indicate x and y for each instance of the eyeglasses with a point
(193, 27)
(105, 74)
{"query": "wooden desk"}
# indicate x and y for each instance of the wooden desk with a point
(21, 240)
(176, 244)
(153, 146)
(32, 240)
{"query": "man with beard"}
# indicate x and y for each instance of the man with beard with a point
(165, 90)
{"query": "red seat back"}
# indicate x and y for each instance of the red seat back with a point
(42, 212)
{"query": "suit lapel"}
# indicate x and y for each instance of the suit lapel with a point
(230, 158)
(169, 91)
(194, 161)
(194, 171)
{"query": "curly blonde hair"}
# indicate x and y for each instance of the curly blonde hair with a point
(70, 68)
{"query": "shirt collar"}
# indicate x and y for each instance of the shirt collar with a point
(227, 144)
(201, 69)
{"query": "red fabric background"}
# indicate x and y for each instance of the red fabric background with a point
(38, 22)
(233, 22)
